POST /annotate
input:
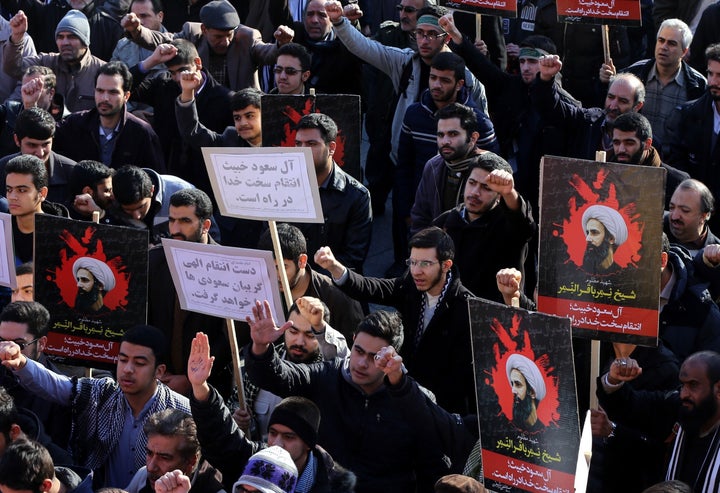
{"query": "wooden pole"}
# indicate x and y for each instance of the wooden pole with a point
(478, 27)
(606, 43)
(280, 264)
(235, 355)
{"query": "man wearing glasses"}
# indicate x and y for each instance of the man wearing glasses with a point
(433, 305)
(26, 324)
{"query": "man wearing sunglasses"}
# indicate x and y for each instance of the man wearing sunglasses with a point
(26, 324)
(292, 69)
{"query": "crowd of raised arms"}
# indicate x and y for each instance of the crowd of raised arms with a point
(369, 385)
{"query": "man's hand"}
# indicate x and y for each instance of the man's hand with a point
(18, 27)
(313, 311)
(324, 258)
(242, 418)
(512, 50)
(711, 254)
(172, 482)
(623, 370)
(508, 283)
(481, 46)
(131, 24)
(607, 70)
(189, 83)
(500, 182)
(284, 35)
(199, 366)
(11, 356)
(600, 423)
(164, 52)
(550, 65)
(390, 363)
(334, 11)
(448, 24)
(31, 92)
(85, 205)
(263, 330)
(352, 11)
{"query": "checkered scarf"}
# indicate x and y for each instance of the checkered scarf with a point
(98, 416)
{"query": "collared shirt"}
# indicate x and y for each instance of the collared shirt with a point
(661, 100)
(121, 463)
(107, 143)
(667, 291)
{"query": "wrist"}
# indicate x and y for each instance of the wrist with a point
(338, 21)
(318, 329)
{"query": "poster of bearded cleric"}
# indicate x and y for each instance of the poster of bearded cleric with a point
(92, 278)
(525, 379)
(600, 245)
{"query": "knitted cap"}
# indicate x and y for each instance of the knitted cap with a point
(299, 414)
(75, 22)
(219, 14)
(271, 470)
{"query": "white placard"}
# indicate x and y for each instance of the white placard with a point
(7, 253)
(222, 281)
(267, 183)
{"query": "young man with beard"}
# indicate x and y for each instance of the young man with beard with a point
(189, 219)
(108, 414)
(90, 189)
(94, 280)
(433, 304)
(528, 388)
(491, 228)
(605, 230)
(632, 140)
(443, 177)
(695, 452)
(344, 312)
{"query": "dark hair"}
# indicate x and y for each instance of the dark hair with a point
(539, 41)
(466, 115)
(31, 313)
(298, 51)
(711, 360)
(131, 184)
(48, 76)
(633, 121)
(292, 242)
(327, 127)
(671, 486)
(8, 413)
(150, 337)
(326, 311)
(434, 10)
(117, 68)
(87, 173)
(156, 5)
(35, 123)
(27, 164)
(244, 98)
(712, 52)
(447, 60)
(26, 268)
(175, 423)
(25, 465)
(188, 197)
(383, 324)
(186, 53)
(434, 237)
(489, 161)
(707, 201)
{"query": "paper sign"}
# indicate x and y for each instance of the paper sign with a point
(222, 281)
(264, 183)
(7, 255)
(502, 8)
(621, 12)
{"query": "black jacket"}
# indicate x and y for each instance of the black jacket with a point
(442, 361)
(696, 83)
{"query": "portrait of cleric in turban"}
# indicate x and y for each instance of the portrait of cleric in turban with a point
(528, 388)
(605, 230)
(94, 279)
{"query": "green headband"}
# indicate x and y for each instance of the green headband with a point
(430, 19)
(535, 53)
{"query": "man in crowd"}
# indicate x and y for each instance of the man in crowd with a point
(292, 69)
(633, 144)
(687, 223)
(109, 133)
(433, 304)
(491, 228)
(108, 414)
(74, 65)
(150, 13)
(90, 189)
(605, 230)
(25, 283)
(528, 388)
(345, 312)
(345, 201)
(173, 445)
(94, 280)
